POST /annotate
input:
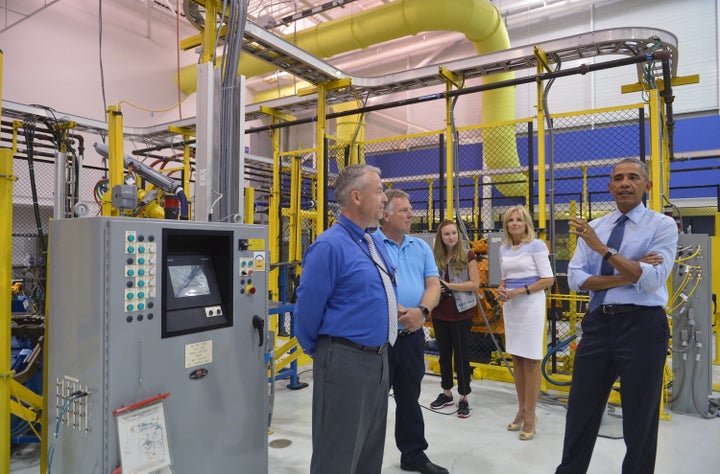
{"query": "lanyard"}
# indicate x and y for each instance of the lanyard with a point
(366, 251)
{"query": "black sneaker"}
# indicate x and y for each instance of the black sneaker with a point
(463, 409)
(441, 401)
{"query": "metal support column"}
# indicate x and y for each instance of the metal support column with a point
(656, 152)
(275, 202)
(451, 79)
(116, 158)
(6, 190)
(542, 66)
(321, 177)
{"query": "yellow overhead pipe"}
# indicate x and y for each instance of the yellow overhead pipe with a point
(351, 129)
(478, 20)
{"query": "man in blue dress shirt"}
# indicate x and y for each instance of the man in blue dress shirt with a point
(341, 320)
(626, 334)
(418, 294)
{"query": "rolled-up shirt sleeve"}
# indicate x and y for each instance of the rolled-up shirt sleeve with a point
(577, 268)
(653, 232)
(665, 243)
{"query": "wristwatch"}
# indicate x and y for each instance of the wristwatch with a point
(610, 253)
(425, 311)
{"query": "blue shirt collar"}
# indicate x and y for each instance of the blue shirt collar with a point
(385, 238)
(634, 214)
(356, 232)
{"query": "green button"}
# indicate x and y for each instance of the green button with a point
(141, 283)
(130, 249)
(130, 296)
(131, 238)
(141, 272)
(141, 249)
(131, 272)
(141, 306)
(130, 307)
(141, 295)
(141, 260)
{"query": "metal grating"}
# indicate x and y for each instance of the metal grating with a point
(618, 41)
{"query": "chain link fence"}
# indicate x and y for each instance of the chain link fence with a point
(581, 150)
(495, 166)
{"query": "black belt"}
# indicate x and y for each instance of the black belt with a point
(620, 308)
(355, 345)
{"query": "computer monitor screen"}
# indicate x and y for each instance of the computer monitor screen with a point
(189, 280)
(198, 279)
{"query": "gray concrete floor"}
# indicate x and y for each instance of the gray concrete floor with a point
(687, 443)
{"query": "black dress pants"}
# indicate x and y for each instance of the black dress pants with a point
(452, 339)
(407, 368)
(633, 346)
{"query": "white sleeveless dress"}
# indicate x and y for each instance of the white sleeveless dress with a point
(524, 315)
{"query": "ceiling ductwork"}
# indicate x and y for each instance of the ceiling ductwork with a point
(478, 20)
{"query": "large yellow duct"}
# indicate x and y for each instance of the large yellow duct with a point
(478, 20)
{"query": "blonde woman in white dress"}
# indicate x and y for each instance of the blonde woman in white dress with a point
(526, 274)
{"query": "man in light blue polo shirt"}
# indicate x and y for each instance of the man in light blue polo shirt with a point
(418, 294)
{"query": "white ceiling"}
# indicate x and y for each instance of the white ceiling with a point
(284, 17)
(14, 11)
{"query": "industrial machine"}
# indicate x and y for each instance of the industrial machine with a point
(691, 312)
(147, 312)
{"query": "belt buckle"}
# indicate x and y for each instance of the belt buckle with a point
(403, 332)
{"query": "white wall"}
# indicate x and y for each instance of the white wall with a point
(52, 59)
(693, 22)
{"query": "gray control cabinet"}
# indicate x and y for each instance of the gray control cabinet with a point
(121, 332)
(692, 326)
(495, 240)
